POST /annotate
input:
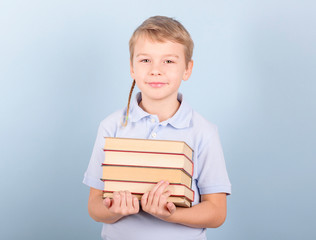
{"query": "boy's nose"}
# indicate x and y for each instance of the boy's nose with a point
(155, 71)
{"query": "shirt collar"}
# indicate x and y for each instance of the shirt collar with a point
(181, 119)
(136, 112)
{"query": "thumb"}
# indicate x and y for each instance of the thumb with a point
(107, 202)
(171, 207)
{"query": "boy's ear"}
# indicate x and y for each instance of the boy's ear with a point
(131, 69)
(188, 71)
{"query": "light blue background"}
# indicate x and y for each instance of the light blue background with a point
(64, 66)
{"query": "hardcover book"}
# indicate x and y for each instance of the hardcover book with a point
(137, 165)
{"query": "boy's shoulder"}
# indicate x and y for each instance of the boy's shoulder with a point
(188, 114)
(201, 122)
(203, 129)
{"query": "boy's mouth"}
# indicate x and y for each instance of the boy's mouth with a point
(156, 84)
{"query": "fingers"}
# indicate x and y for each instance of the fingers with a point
(129, 200)
(116, 200)
(123, 203)
(163, 199)
(123, 199)
(144, 199)
(156, 192)
(155, 201)
(135, 204)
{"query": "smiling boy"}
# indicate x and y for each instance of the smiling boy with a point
(158, 69)
(161, 52)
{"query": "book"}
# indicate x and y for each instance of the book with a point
(146, 174)
(149, 160)
(139, 188)
(115, 153)
(137, 165)
(148, 145)
(178, 201)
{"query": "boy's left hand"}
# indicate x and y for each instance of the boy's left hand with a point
(155, 201)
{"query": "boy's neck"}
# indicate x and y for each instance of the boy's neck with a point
(163, 109)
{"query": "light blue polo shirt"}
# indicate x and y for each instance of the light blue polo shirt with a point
(210, 175)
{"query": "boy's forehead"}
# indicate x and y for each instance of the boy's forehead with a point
(147, 44)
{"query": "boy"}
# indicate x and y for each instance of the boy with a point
(160, 58)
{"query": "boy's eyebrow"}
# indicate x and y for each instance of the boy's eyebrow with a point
(167, 55)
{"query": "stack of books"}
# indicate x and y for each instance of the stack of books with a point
(137, 165)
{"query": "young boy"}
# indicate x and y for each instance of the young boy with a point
(160, 58)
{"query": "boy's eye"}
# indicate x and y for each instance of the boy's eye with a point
(169, 61)
(145, 60)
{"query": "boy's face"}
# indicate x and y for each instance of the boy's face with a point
(158, 68)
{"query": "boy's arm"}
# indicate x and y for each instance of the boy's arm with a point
(111, 210)
(210, 213)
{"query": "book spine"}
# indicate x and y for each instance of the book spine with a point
(137, 193)
(142, 166)
(153, 183)
(127, 151)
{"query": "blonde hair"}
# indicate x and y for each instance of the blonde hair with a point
(160, 29)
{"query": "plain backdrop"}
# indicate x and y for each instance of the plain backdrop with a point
(64, 66)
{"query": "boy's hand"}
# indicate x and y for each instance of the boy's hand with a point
(155, 202)
(122, 204)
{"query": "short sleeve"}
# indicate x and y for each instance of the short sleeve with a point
(93, 174)
(107, 128)
(212, 173)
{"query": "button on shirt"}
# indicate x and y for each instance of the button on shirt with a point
(210, 175)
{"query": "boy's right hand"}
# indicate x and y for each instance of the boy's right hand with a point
(122, 204)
